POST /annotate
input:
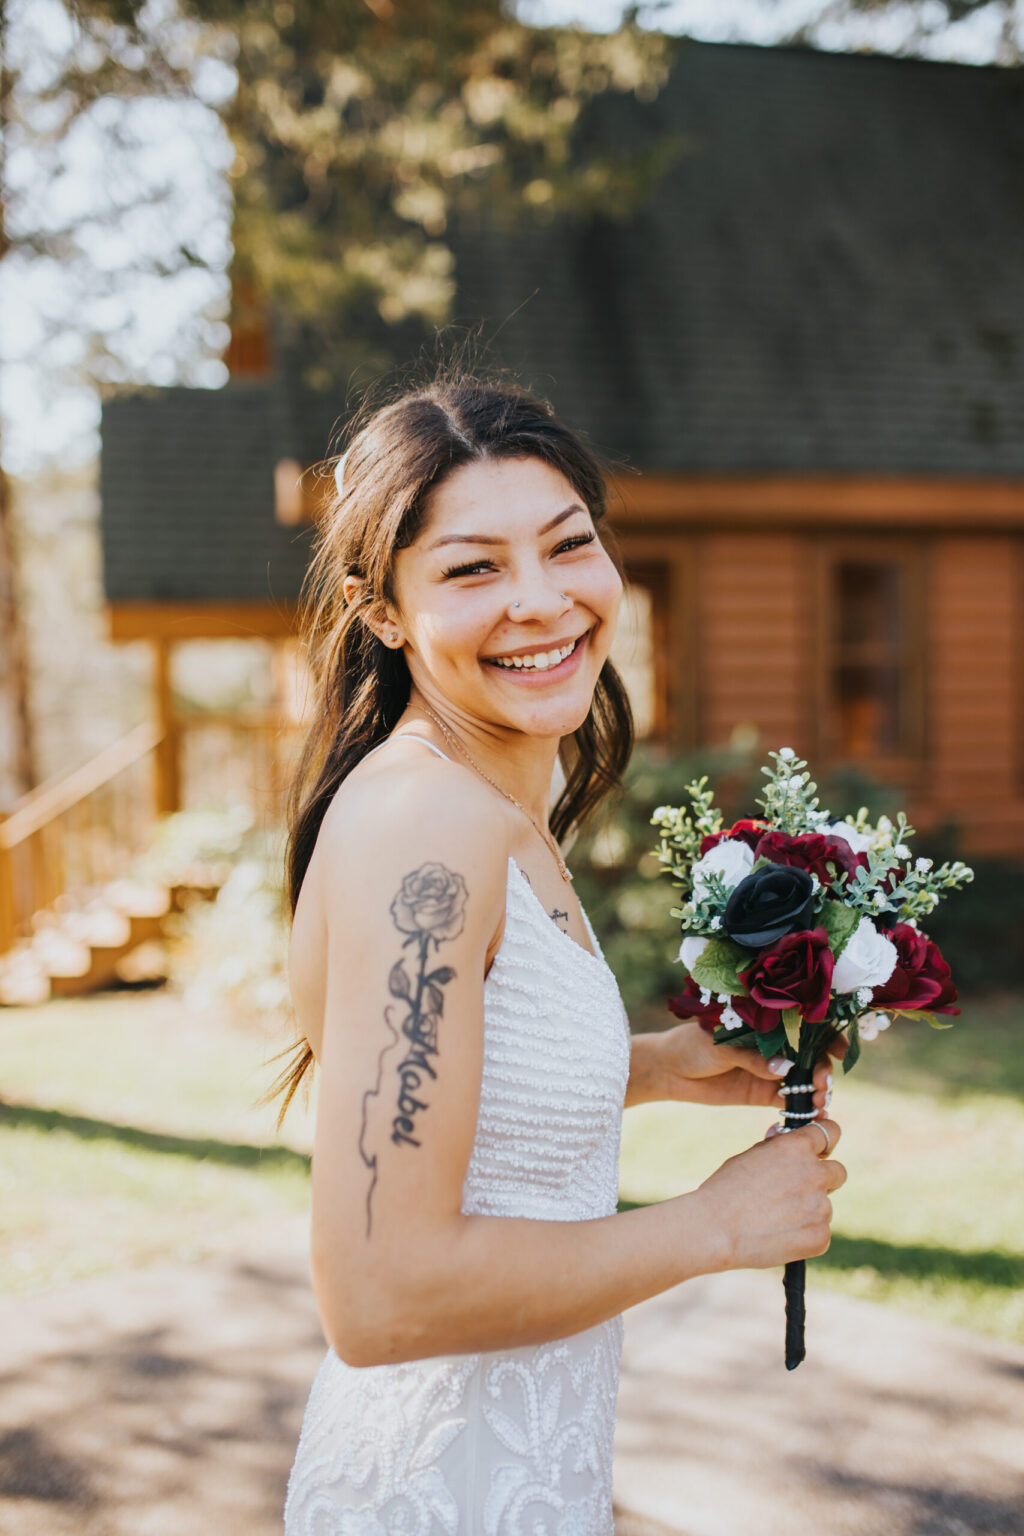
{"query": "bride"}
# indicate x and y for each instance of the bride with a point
(474, 1057)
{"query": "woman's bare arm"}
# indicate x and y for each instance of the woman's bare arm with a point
(399, 1271)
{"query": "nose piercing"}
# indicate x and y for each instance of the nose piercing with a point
(563, 595)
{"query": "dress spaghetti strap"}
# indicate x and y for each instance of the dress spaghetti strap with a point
(406, 736)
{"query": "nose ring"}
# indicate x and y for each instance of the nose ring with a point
(563, 595)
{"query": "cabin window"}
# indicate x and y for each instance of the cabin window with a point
(639, 649)
(873, 684)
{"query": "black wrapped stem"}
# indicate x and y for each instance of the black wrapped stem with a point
(799, 1108)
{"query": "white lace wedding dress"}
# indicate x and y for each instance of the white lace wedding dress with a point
(511, 1442)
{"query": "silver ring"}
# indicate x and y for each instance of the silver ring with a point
(828, 1139)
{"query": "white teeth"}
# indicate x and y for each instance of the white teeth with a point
(541, 661)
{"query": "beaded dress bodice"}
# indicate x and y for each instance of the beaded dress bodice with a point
(514, 1442)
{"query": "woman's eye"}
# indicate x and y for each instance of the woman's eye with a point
(576, 542)
(475, 568)
(478, 567)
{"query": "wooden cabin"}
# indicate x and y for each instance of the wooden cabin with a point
(805, 353)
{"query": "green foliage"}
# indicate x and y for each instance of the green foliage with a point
(620, 879)
(839, 922)
(719, 966)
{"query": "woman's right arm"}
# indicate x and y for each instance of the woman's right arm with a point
(399, 1271)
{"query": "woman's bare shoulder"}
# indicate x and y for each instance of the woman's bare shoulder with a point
(405, 809)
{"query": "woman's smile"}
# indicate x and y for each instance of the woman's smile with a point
(545, 663)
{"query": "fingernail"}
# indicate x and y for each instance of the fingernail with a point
(828, 1081)
(772, 1130)
(780, 1065)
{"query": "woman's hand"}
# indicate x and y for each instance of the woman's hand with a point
(771, 1203)
(691, 1067)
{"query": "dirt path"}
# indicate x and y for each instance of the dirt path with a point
(167, 1403)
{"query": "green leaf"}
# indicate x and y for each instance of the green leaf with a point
(719, 966)
(792, 1019)
(853, 1049)
(773, 1043)
(839, 922)
(744, 1037)
(920, 1013)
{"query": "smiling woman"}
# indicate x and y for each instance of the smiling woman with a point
(474, 1054)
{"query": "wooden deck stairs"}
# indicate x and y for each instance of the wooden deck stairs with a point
(73, 918)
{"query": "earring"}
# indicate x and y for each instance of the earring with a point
(394, 637)
(516, 604)
(564, 596)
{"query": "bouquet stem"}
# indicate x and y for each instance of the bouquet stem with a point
(798, 1107)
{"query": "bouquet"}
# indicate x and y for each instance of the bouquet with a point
(798, 928)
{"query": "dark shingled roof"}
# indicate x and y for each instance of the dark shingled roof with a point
(187, 496)
(829, 277)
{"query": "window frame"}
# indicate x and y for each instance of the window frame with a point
(905, 766)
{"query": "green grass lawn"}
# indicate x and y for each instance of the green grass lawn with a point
(130, 1133)
(932, 1216)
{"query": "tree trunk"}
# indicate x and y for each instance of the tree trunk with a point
(17, 758)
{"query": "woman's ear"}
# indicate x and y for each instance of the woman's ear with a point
(376, 616)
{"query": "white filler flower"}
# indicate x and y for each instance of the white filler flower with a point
(868, 960)
(691, 949)
(860, 842)
(870, 1025)
(730, 859)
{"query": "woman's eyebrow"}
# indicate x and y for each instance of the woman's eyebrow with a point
(487, 538)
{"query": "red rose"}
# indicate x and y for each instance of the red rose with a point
(812, 851)
(794, 972)
(760, 1018)
(689, 1006)
(749, 832)
(922, 977)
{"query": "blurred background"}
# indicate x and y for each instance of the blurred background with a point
(769, 257)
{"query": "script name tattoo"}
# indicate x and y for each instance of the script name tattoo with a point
(559, 917)
(430, 910)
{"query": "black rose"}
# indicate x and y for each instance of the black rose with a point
(772, 901)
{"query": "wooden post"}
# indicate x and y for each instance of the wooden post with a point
(168, 752)
(8, 917)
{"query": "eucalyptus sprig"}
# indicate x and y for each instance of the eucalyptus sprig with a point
(790, 800)
(682, 829)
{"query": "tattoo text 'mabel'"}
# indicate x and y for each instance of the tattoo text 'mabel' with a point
(429, 909)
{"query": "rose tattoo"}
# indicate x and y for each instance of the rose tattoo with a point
(430, 908)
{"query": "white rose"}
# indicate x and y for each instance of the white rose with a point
(730, 859)
(691, 949)
(868, 960)
(860, 842)
(870, 1025)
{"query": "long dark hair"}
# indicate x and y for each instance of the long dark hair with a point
(395, 458)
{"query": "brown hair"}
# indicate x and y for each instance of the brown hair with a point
(395, 459)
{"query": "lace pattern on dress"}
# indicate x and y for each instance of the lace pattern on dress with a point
(509, 1442)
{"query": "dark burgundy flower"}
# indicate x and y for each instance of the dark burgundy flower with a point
(689, 1006)
(709, 1015)
(922, 976)
(796, 972)
(744, 831)
(812, 851)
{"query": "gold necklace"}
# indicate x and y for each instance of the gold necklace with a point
(454, 741)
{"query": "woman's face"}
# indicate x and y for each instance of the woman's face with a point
(506, 602)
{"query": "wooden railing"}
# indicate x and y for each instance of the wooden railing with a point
(77, 833)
